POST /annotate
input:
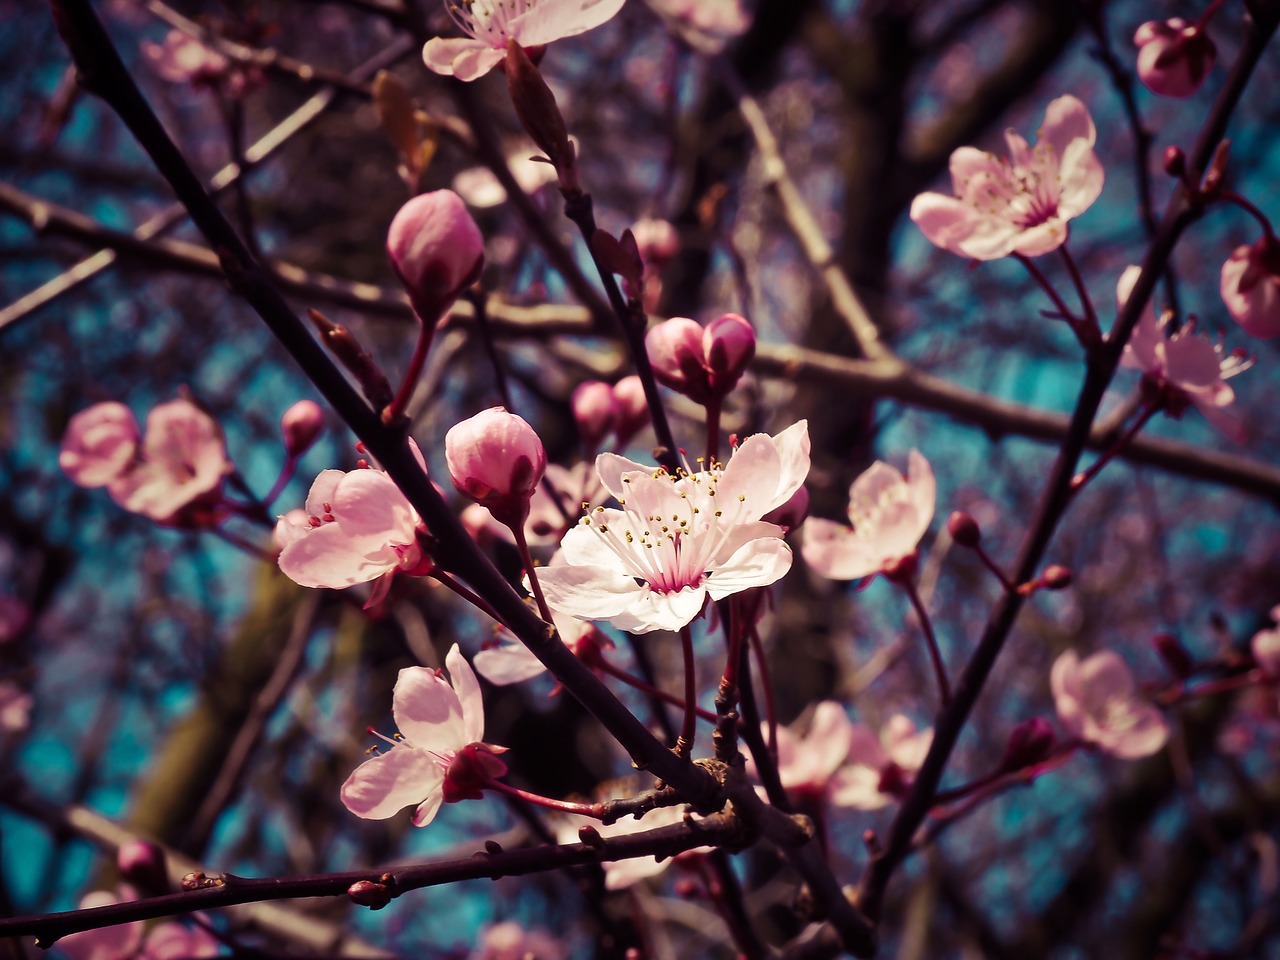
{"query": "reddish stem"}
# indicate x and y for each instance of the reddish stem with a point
(632, 681)
(1090, 325)
(1230, 196)
(931, 641)
(1080, 479)
(396, 408)
(593, 810)
(684, 743)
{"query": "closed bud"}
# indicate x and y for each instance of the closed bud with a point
(1250, 287)
(1175, 161)
(301, 424)
(1056, 577)
(142, 865)
(595, 410)
(964, 530)
(437, 251)
(1174, 655)
(369, 893)
(539, 114)
(675, 350)
(728, 346)
(1030, 742)
(497, 460)
(633, 408)
(1174, 56)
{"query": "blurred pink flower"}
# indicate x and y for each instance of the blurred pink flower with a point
(480, 188)
(1266, 647)
(100, 444)
(1184, 368)
(510, 661)
(1174, 56)
(807, 763)
(491, 24)
(1098, 702)
(678, 539)
(1250, 287)
(183, 463)
(357, 527)
(134, 941)
(889, 513)
(510, 941)
(620, 874)
(707, 25)
(15, 707)
(878, 770)
(300, 426)
(440, 749)
(181, 58)
(1020, 205)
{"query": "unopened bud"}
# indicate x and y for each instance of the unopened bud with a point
(1174, 654)
(1217, 167)
(1030, 742)
(368, 893)
(590, 836)
(301, 424)
(142, 865)
(1056, 577)
(497, 460)
(539, 114)
(1175, 161)
(436, 250)
(675, 350)
(595, 411)
(633, 408)
(964, 530)
(728, 346)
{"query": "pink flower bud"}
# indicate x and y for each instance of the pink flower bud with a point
(100, 444)
(1251, 287)
(1174, 57)
(728, 345)
(436, 250)
(657, 240)
(964, 530)
(497, 460)
(301, 424)
(633, 408)
(142, 865)
(675, 350)
(595, 409)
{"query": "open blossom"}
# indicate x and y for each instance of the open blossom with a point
(491, 24)
(1250, 287)
(183, 461)
(807, 763)
(356, 526)
(134, 940)
(1186, 369)
(1097, 701)
(100, 444)
(1174, 56)
(879, 769)
(889, 513)
(678, 540)
(439, 757)
(1022, 204)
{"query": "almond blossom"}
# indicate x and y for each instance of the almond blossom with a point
(1250, 287)
(879, 769)
(438, 756)
(889, 514)
(1020, 205)
(491, 24)
(1183, 368)
(1098, 702)
(678, 539)
(357, 526)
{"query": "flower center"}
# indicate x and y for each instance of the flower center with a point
(487, 20)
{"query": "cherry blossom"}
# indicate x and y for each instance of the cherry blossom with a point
(889, 513)
(491, 24)
(439, 756)
(357, 526)
(1183, 368)
(1097, 701)
(678, 539)
(480, 188)
(436, 249)
(510, 941)
(620, 874)
(879, 769)
(1022, 204)
(807, 763)
(496, 459)
(1174, 56)
(183, 463)
(15, 707)
(300, 426)
(134, 941)
(1250, 287)
(100, 444)
(704, 364)
(707, 25)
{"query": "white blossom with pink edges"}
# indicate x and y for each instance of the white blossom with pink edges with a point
(1097, 701)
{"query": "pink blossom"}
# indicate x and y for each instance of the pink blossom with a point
(357, 527)
(1183, 368)
(620, 874)
(1250, 287)
(595, 410)
(134, 941)
(437, 251)
(1097, 701)
(439, 752)
(1174, 56)
(496, 459)
(510, 941)
(100, 444)
(633, 408)
(707, 25)
(656, 240)
(889, 514)
(183, 463)
(491, 24)
(1266, 647)
(807, 763)
(678, 539)
(512, 662)
(184, 59)
(300, 425)
(1020, 205)
(879, 769)
(703, 364)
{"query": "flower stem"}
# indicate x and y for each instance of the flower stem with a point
(766, 685)
(684, 743)
(713, 429)
(1080, 479)
(396, 408)
(993, 567)
(527, 559)
(593, 810)
(287, 470)
(1090, 325)
(1230, 196)
(647, 688)
(476, 601)
(931, 640)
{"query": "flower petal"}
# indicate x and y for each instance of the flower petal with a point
(427, 710)
(387, 783)
(550, 20)
(461, 57)
(468, 690)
